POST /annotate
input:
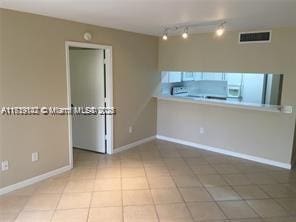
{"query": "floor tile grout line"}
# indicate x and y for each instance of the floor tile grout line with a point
(187, 207)
(209, 194)
(121, 191)
(89, 207)
(238, 173)
(149, 187)
(245, 200)
(282, 206)
(56, 207)
(232, 186)
(23, 208)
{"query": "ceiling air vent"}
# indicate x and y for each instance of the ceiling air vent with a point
(255, 37)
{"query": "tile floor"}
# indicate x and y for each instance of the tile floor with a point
(158, 181)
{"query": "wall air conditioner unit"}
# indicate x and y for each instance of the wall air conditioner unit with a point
(255, 37)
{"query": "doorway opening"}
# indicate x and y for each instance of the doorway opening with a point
(89, 83)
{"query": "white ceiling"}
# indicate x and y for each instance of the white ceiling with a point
(151, 16)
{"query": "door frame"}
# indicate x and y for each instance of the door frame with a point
(109, 92)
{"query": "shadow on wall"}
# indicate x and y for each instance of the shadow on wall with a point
(293, 161)
(149, 98)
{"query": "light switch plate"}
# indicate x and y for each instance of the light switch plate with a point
(4, 165)
(35, 156)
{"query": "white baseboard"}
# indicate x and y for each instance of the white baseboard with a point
(47, 175)
(39, 178)
(226, 152)
(131, 145)
(33, 180)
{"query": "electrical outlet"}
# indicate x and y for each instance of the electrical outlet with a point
(130, 129)
(4, 165)
(35, 156)
(201, 130)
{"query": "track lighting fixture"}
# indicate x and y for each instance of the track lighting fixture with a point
(185, 33)
(219, 31)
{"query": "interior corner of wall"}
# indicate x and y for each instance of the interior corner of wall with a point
(293, 158)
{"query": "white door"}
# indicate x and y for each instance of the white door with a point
(87, 89)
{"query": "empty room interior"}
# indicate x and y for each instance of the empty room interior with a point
(143, 111)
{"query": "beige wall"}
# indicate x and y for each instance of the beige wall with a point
(267, 135)
(33, 72)
(263, 134)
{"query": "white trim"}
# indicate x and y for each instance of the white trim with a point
(131, 145)
(109, 91)
(109, 102)
(87, 45)
(70, 141)
(230, 104)
(250, 42)
(226, 152)
(33, 180)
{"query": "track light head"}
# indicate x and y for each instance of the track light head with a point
(221, 29)
(185, 33)
(165, 35)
